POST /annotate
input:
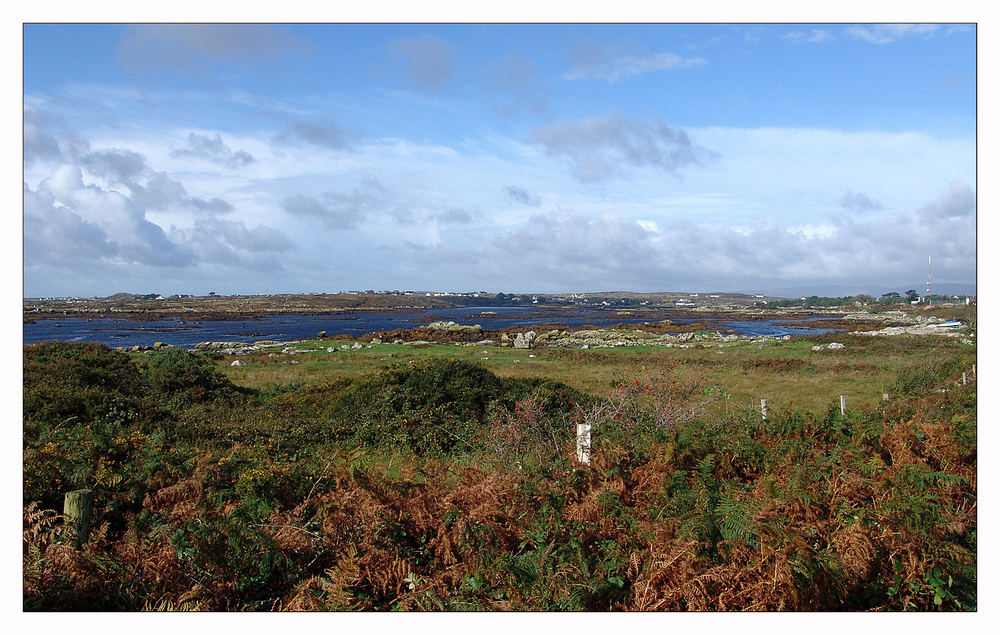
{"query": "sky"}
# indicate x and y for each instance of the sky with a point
(538, 158)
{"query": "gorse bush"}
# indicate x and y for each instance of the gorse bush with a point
(75, 382)
(440, 486)
(175, 374)
(93, 418)
(435, 406)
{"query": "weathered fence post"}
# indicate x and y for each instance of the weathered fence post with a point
(885, 396)
(963, 379)
(843, 405)
(583, 443)
(973, 372)
(76, 510)
(763, 409)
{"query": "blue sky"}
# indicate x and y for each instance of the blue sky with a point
(263, 158)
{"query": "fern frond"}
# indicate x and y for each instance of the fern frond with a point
(736, 519)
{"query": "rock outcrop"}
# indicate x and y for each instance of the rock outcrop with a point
(524, 340)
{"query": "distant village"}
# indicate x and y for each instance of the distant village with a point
(617, 298)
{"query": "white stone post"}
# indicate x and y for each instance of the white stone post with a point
(583, 443)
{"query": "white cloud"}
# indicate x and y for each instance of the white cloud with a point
(214, 149)
(888, 33)
(812, 37)
(574, 251)
(613, 69)
(599, 147)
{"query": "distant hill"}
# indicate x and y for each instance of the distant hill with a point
(125, 297)
(841, 290)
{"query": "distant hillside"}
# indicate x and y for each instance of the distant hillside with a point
(841, 290)
(125, 297)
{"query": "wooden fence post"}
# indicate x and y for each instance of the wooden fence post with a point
(973, 372)
(76, 510)
(963, 379)
(763, 409)
(843, 405)
(583, 443)
(885, 396)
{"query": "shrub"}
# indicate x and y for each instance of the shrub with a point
(436, 406)
(75, 382)
(183, 377)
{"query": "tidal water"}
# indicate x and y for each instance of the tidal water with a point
(122, 332)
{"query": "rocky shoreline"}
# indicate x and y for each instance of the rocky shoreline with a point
(560, 336)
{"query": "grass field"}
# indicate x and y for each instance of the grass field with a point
(788, 373)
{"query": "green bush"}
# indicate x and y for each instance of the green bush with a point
(84, 418)
(435, 406)
(182, 377)
(75, 382)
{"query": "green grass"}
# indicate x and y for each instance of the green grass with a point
(785, 372)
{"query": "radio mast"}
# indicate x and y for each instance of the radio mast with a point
(928, 275)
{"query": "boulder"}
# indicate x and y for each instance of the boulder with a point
(524, 340)
(321, 334)
(441, 326)
(238, 363)
(835, 346)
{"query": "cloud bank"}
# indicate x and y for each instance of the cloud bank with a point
(499, 214)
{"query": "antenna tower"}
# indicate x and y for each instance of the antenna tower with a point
(928, 275)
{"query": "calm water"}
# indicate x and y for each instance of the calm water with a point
(121, 332)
